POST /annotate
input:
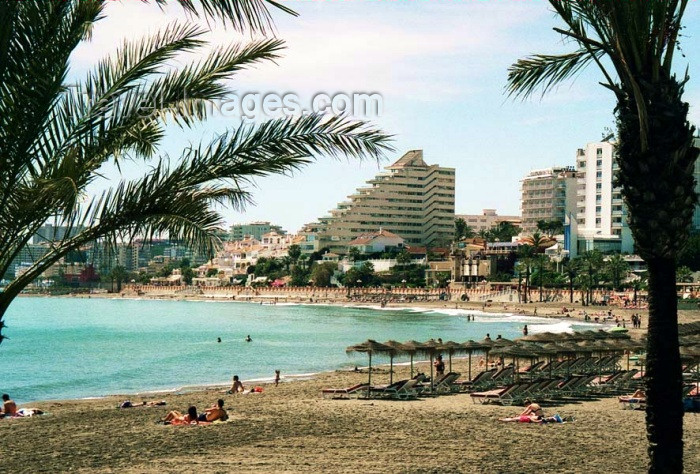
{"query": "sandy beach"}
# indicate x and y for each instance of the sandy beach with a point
(290, 428)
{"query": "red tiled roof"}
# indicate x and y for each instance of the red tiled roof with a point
(367, 238)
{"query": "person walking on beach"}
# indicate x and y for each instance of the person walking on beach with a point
(237, 385)
(277, 377)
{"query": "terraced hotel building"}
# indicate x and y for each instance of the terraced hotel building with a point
(411, 199)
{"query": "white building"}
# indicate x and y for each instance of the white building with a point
(546, 195)
(376, 242)
(487, 219)
(599, 219)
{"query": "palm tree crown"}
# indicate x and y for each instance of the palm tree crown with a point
(54, 139)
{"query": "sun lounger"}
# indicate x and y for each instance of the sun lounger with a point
(479, 381)
(350, 392)
(532, 369)
(496, 394)
(447, 384)
(403, 390)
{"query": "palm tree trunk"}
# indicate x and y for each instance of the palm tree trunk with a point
(664, 379)
(571, 291)
(527, 284)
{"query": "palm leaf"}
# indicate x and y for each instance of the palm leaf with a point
(544, 72)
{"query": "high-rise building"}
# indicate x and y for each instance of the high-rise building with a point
(254, 229)
(488, 219)
(600, 215)
(546, 194)
(411, 199)
(52, 233)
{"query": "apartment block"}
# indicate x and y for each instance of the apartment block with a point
(254, 229)
(487, 219)
(412, 199)
(546, 195)
(599, 219)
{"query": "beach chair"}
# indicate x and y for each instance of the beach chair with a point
(496, 394)
(543, 390)
(532, 369)
(479, 381)
(447, 384)
(400, 390)
(349, 392)
(501, 376)
(440, 386)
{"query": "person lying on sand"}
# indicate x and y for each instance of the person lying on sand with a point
(216, 412)
(177, 418)
(129, 404)
(536, 419)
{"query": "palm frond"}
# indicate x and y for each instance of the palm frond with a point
(243, 15)
(544, 72)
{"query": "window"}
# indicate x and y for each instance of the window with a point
(599, 186)
(597, 221)
(598, 174)
(598, 198)
(599, 151)
(599, 163)
(598, 209)
(581, 164)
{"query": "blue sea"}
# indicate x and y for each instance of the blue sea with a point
(67, 348)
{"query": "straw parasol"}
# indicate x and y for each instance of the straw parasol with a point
(412, 348)
(514, 351)
(370, 347)
(451, 348)
(502, 341)
(397, 347)
(541, 337)
(471, 346)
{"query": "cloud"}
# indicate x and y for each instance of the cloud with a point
(383, 47)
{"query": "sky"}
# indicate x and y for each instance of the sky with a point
(440, 67)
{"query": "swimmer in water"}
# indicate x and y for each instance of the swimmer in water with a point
(248, 339)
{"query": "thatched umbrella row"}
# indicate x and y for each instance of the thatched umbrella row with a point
(543, 344)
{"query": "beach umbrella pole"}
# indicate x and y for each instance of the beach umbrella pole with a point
(431, 374)
(391, 369)
(411, 365)
(369, 380)
(470, 365)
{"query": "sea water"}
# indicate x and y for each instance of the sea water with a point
(63, 348)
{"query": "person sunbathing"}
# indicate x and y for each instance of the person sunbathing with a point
(532, 408)
(177, 418)
(536, 419)
(237, 385)
(533, 413)
(214, 413)
(9, 407)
